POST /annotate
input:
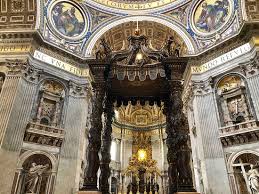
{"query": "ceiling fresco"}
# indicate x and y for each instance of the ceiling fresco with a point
(75, 26)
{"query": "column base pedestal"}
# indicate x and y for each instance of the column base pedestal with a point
(89, 192)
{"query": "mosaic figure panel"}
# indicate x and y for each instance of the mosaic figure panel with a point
(68, 19)
(211, 15)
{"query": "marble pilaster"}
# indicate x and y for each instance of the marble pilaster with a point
(70, 156)
(209, 146)
(17, 95)
(252, 74)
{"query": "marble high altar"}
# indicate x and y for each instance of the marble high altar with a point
(129, 97)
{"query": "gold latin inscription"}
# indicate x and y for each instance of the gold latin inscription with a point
(134, 6)
(14, 48)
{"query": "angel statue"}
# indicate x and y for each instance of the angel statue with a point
(32, 179)
(253, 178)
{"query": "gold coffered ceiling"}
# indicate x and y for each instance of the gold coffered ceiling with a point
(140, 116)
(157, 35)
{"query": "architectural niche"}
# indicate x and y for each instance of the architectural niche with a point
(233, 100)
(50, 103)
(44, 128)
(245, 173)
(35, 175)
(236, 112)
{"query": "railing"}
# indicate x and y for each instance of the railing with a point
(241, 133)
(239, 128)
(44, 134)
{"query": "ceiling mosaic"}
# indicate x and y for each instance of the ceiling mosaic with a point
(68, 19)
(209, 16)
(76, 26)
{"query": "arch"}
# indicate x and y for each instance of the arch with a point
(44, 80)
(172, 24)
(228, 88)
(234, 156)
(242, 77)
(27, 154)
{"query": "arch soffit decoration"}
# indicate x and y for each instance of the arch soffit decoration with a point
(159, 9)
(236, 74)
(46, 79)
(171, 24)
(27, 154)
(235, 155)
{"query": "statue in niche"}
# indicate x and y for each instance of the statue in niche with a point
(50, 103)
(253, 178)
(236, 109)
(233, 100)
(246, 173)
(33, 177)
